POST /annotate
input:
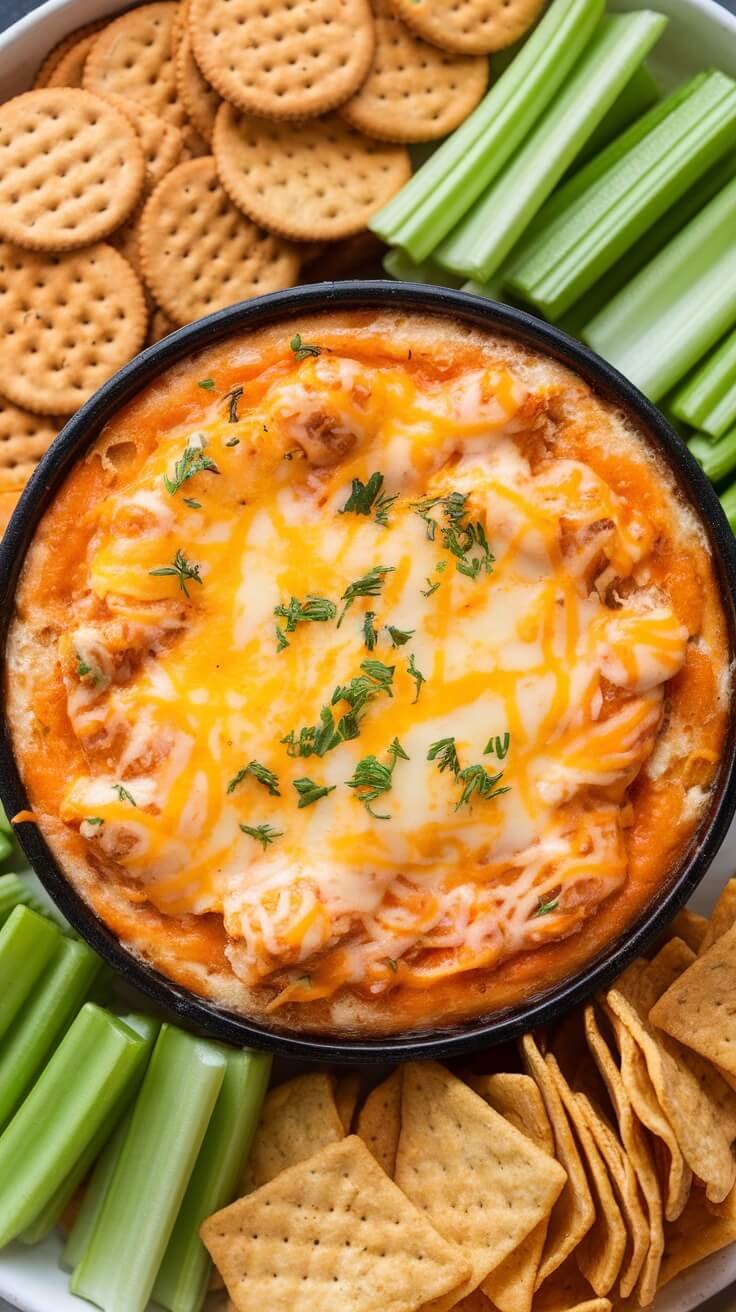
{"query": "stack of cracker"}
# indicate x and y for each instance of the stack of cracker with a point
(185, 156)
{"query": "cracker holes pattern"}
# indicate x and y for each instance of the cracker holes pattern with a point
(472, 27)
(24, 438)
(133, 58)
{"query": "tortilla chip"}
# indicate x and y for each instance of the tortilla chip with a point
(298, 1118)
(699, 1008)
(330, 1233)
(722, 918)
(601, 1253)
(690, 927)
(347, 1090)
(623, 1179)
(573, 1214)
(637, 1150)
(702, 1229)
(483, 1185)
(699, 1105)
(379, 1121)
(516, 1097)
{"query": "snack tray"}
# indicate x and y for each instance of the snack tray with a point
(700, 34)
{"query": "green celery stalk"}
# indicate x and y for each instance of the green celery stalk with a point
(79, 1236)
(398, 265)
(14, 892)
(630, 198)
(728, 501)
(480, 243)
(639, 95)
(708, 399)
(678, 307)
(27, 944)
(6, 847)
(490, 291)
(5, 825)
(181, 1284)
(649, 245)
(150, 1179)
(30, 1040)
(147, 1028)
(72, 1098)
(438, 195)
(716, 459)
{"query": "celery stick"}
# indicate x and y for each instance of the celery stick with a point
(181, 1284)
(30, 1040)
(708, 399)
(652, 241)
(716, 459)
(434, 200)
(664, 321)
(490, 291)
(27, 943)
(5, 825)
(94, 1196)
(490, 229)
(137, 1217)
(398, 265)
(638, 96)
(147, 1028)
(16, 891)
(728, 501)
(6, 847)
(630, 198)
(88, 1073)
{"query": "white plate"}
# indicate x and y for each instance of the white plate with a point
(700, 34)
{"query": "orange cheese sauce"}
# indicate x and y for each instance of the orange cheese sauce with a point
(382, 683)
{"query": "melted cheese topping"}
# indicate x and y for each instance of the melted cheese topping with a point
(548, 682)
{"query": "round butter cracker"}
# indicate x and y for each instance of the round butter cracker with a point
(133, 58)
(162, 143)
(24, 438)
(70, 321)
(71, 168)
(469, 27)
(62, 48)
(69, 71)
(283, 58)
(413, 92)
(200, 100)
(317, 182)
(199, 253)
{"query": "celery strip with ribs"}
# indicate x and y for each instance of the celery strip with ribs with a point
(79, 1236)
(708, 399)
(27, 944)
(445, 187)
(168, 1125)
(398, 265)
(36, 1030)
(15, 891)
(147, 1028)
(678, 307)
(74, 1095)
(487, 233)
(630, 198)
(181, 1284)
(716, 459)
(638, 96)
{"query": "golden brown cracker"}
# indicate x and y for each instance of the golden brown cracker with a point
(71, 321)
(69, 71)
(483, 1184)
(133, 58)
(62, 48)
(379, 1121)
(298, 1118)
(194, 146)
(159, 327)
(702, 1229)
(413, 91)
(573, 1214)
(162, 143)
(71, 169)
(318, 184)
(347, 1090)
(328, 1234)
(722, 917)
(200, 100)
(24, 438)
(199, 253)
(287, 60)
(690, 927)
(698, 1009)
(469, 27)
(565, 1290)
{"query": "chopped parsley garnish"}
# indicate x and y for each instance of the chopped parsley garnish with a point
(234, 441)
(207, 383)
(182, 569)
(85, 670)
(259, 772)
(498, 746)
(93, 820)
(313, 610)
(370, 633)
(463, 538)
(303, 349)
(399, 637)
(476, 779)
(417, 676)
(430, 588)
(392, 964)
(366, 499)
(317, 739)
(369, 585)
(194, 461)
(544, 908)
(444, 755)
(124, 795)
(193, 505)
(263, 834)
(371, 778)
(233, 399)
(310, 792)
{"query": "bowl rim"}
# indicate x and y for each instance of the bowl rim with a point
(490, 316)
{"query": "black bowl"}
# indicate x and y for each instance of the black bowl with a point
(82, 430)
